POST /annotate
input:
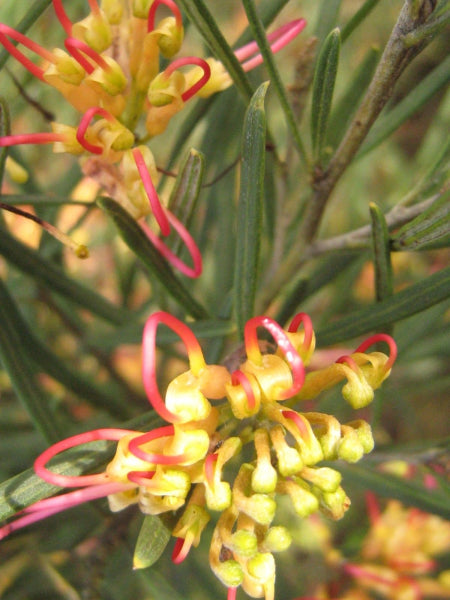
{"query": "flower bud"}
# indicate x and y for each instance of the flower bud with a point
(264, 477)
(112, 80)
(213, 380)
(277, 539)
(193, 443)
(350, 448)
(289, 460)
(243, 542)
(262, 567)
(113, 10)
(140, 8)
(66, 67)
(95, 31)
(218, 497)
(305, 502)
(357, 392)
(229, 572)
(170, 37)
(326, 479)
(169, 482)
(193, 520)
(165, 89)
(364, 433)
(335, 504)
(327, 429)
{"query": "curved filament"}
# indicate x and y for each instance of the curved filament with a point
(307, 326)
(238, 377)
(33, 46)
(291, 355)
(135, 444)
(76, 440)
(192, 247)
(191, 60)
(154, 7)
(84, 124)
(152, 195)
(77, 48)
(64, 19)
(196, 360)
(381, 337)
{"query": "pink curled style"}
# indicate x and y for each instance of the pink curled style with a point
(290, 353)
(149, 358)
(194, 271)
(239, 377)
(180, 550)
(307, 326)
(154, 7)
(6, 32)
(134, 446)
(152, 195)
(64, 19)
(77, 48)
(84, 124)
(71, 442)
(186, 61)
(381, 337)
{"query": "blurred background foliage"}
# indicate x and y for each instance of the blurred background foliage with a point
(71, 328)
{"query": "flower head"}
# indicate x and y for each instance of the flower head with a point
(192, 465)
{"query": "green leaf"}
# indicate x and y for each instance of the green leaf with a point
(259, 33)
(432, 226)
(132, 334)
(5, 128)
(412, 300)
(154, 262)
(38, 354)
(47, 273)
(323, 87)
(184, 198)
(381, 253)
(151, 543)
(249, 217)
(21, 373)
(203, 20)
(408, 492)
(391, 120)
(43, 200)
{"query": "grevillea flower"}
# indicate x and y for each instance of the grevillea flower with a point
(194, 465)
(109, 71)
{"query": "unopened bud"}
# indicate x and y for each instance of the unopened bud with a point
(350, 448)
(277, 539)
(244, 543)
(262, 567)
(95, 31)
(326, 479)
(165, 89)
(229, 572)
(335, 503)
(113, 10)
(170, 37)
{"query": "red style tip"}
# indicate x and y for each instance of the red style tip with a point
(307, 326)
(381, 337)
(196, 257)
(154, 7)
(238, 377)
(152, 195)
(187, 61)
(84, 124)
(18, 55)
(71, 442)
(135, 444)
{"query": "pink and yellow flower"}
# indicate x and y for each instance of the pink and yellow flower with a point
(187, 464)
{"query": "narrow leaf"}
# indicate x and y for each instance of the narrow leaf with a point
(327, 18)
(432, 226)
(151, 543)
(49, 274)
(381, 254)
(249, 218)
(23, 377)
(323, 87)
(412, 300)
(4, 130)
(184, 198)
(155, 264)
